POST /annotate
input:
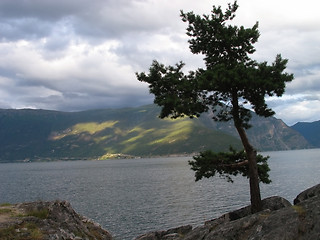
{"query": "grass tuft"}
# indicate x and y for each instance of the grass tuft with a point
(5, 210)
(300, 210)
(5, 204)
(42, 213)
(28, 231)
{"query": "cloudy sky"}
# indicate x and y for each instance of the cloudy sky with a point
(73, 55)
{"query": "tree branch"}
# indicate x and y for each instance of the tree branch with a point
(236, 165)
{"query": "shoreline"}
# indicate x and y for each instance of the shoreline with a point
(278, 220)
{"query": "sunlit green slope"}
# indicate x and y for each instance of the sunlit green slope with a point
(138, 132)
(39, 134)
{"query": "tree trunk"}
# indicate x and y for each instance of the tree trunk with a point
(255, 197)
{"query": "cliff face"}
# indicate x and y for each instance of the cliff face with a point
(279, 220)
(266, 134)
(47, 221)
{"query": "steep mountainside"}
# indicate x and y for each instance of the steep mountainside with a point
(266, 134)
(310, 131)
(40, 134)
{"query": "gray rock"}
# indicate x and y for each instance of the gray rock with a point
(310, 192)
(50, 221)
(173, 233)
(279, 220)
(271, 203)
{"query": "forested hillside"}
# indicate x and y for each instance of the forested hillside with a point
(30, 135)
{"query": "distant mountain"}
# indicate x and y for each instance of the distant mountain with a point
(50, 135)
(266, 134)
(310, 131)
(40, 134)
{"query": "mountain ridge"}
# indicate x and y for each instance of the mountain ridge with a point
(30, 135)
(310, 131)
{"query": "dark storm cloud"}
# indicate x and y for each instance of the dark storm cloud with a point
(43, 10)
(32, 19)
(79, 54)
(30, 28)
(95, 18)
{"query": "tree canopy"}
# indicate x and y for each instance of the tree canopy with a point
(231, 86)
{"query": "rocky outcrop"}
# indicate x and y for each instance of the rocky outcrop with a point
(47, 221)
(309, 193)
(279, 220)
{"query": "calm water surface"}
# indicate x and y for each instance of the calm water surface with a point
(130, 197)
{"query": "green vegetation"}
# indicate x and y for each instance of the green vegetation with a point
(164, 138)
(8, 233)
(39, 213)
(5, 204)
(91, 128)
(25, 231)
(300, 210)
(5, 210)
(103, 134)
(22, 230)
(208, 163)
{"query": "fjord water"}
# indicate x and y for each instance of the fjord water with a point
(129, 197)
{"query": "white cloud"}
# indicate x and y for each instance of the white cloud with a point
(299, 111)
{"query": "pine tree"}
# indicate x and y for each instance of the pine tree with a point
(232, 86)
